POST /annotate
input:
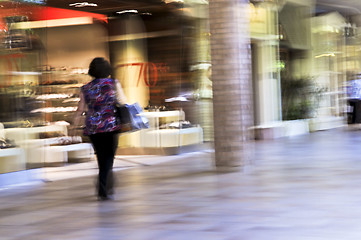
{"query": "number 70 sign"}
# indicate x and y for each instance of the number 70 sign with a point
(147, 71)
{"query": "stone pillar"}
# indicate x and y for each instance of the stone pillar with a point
(232, 80)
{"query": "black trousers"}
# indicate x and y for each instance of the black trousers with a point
(105, 146)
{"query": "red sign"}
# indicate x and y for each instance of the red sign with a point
(148, 70)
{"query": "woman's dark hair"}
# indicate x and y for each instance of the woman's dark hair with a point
(99, 68)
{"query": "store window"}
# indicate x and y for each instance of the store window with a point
(161, 58)
(162, 61)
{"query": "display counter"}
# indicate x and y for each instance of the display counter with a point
(156, 136)
(47, 150)
(11, 160)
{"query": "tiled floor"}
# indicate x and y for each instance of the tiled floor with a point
(300, 188)
(91, 168)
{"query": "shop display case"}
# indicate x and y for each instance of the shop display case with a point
(49, 144)
(12, 157)
(59, 91)
(40, 138)
(169, 129)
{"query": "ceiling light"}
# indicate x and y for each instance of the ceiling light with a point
(127, 11)
(83, 4)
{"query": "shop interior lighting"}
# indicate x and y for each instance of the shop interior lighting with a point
(176, 99)
(53, 96)
(127, 11)
(71, 100)
(83, 4)
(173, 1)
(326, 55)
(52, 23)
(25, 73)
(54, 109)
(200, 66)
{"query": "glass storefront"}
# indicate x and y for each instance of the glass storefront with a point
(160, 56)
(160, 52)
(302, 56)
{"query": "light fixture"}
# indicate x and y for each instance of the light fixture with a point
(173, 1)
(146, 13)
(127, 11)
(83, 4)
(177, 99)
(326, 55)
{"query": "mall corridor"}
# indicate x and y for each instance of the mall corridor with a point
(301, 188)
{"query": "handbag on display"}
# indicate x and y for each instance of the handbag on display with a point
(130, 117)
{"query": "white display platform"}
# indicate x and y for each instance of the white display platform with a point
(172, 137)
(21, 134)
(64, 152)
(159, 114)
(12, 159)
(167, 116)
(39, 150)
(162, 138)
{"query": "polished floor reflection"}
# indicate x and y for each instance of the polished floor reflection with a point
(300, 188)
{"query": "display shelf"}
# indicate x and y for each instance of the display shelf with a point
(40, 150)
(62, 153)
(172, 137)
(5, 152)
(167, 116)
(12, 159)
(21, 134)
(163, 138)
(65, 85)
(163, 114)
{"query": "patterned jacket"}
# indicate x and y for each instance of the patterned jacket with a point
(100, 97)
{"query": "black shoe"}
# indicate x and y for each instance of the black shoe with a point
(110, 191)
(105, 198)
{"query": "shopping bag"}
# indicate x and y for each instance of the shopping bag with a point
(130, 118)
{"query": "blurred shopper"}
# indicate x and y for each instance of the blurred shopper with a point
(98, 99)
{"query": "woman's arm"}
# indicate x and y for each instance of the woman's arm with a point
(77, 115)
(122, 99)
